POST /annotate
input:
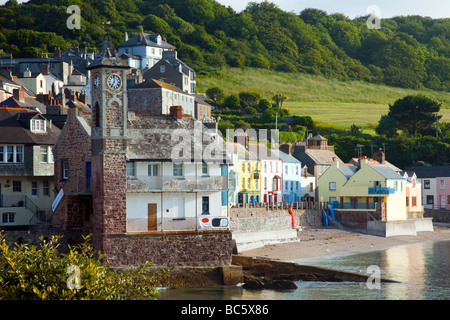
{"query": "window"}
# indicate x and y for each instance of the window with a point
(243, 183)
(205, 205)
(441, 184)
(292, 185)
(265, 166)
(37, 125)
(45, 189)
(34, 188)
(297, 170)
(177, 169)
(414, 201)
(430, 199)
(426, 184)
(286, 185)
(256, 184)
(248, 183)
(248, 166)
(11, 154)
(17, 186)
(204, 169)
(311, 186)
(265, 182)
(162, 69)
(243, 166)
(332, 186)
(297, 184)
(8, 217)
(65, 170)
(285, 169)
(42, 84)
(44, 154)
(153, 170)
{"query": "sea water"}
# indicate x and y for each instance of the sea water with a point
(421, 269)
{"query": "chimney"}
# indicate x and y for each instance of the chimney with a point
(27, 73)
(379, 156)
(83, 97)
(73, 97)
(362, 160)
(19, 94)
(242, 139)
(57, 53)
(45, 69)
(176, 111)
(286, 148)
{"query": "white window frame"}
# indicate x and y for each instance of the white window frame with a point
(177, 169)
(38, 125)
(10, 218)
(65, 169)
(153, 170)
(15, 150)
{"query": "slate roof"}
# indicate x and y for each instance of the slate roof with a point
(431, 172)
(386, 171)
(286, 157)
(108, 56)
(29, 103)
(15, 128)
(158, 137)
(322, 156)
(347, 169)
(145, 39)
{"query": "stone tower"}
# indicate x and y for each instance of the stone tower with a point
(108, 138)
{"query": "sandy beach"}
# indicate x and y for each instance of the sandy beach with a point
(319, 242)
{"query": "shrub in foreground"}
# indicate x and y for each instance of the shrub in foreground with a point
(42, 273)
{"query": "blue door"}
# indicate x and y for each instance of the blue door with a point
(88, 175)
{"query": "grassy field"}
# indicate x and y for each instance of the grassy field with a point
(338, 103)
(343, 115)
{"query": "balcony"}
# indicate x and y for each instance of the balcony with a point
(351, 206)
(381, 191)
(176, 184)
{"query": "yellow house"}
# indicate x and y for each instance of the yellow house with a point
(249, 175)
(369, 191)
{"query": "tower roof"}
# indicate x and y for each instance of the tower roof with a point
(108, 57)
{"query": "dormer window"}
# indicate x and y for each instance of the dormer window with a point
(162, 69)
(38, 125)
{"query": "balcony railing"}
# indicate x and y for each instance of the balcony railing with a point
(351, 205)
(186, 183)
(382, 191)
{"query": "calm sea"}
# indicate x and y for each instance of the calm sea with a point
(423, 270)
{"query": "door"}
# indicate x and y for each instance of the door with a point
(152, 218)
(442, 202)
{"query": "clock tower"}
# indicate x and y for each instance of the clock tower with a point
(108, 138)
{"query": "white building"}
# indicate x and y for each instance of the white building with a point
(144, 50)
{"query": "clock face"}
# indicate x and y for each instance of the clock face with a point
(114, 81)
(97, 82)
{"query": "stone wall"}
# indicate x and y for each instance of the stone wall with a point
(201, 248)
(259, 219)
(442, 216)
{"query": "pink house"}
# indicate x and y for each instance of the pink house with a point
(443, 192)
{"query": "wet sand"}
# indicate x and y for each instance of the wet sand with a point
(319, 242)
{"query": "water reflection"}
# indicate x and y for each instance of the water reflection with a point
(421, 268)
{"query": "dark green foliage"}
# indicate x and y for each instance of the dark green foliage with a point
(409, 52)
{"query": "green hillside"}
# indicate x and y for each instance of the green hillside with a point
(409, 52)
(336, 103)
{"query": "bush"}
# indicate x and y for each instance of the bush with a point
(42, 273)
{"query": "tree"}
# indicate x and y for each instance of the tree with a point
(215, 94)
(42, 273)
(387, 126)
(232, 102)
(249, 98)
(415, 114)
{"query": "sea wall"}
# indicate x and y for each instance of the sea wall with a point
(256, 227)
